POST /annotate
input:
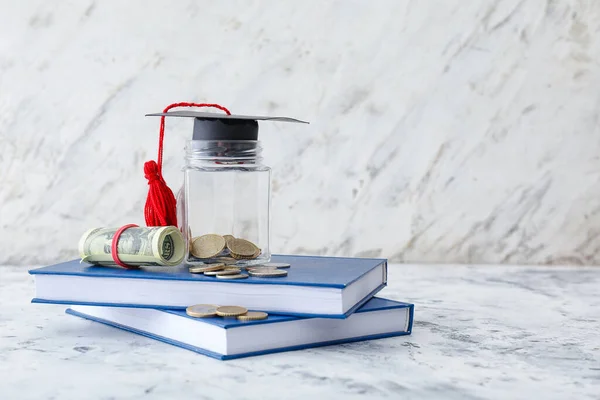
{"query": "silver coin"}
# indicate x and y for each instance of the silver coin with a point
(260, 268)
(238, 276)
(274, 273)
(224, 271)
(276, 265)
(199, 269)
(229, 271)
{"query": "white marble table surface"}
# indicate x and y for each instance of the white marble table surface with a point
(480, 332)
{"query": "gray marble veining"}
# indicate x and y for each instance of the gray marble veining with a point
(480, 332)
(450, 131)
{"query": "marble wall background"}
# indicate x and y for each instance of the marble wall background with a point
(442, 131)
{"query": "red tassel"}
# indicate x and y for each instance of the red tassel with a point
(161, 206)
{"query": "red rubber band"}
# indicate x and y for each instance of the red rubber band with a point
(113, 246)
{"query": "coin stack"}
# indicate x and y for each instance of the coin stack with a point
(224, 271)
(212, 310)
(219, 248)
(268, 270)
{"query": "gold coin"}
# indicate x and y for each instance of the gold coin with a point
(207, 246)
(199, 269)
(271, 273)
(231, 311)
(242, 257)
(190, 239)
(237, 276)
(202, 310)
(228, 238)
(229, 271)
(253, 316)
(237, 256)
(241, 248)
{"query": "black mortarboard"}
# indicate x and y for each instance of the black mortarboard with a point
(215, 126)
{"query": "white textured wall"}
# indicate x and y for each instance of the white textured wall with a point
(442, 131)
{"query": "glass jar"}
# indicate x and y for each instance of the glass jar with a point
(226, 191)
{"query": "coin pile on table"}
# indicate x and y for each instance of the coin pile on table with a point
(213, 246)
(268, 270)
(212, 310)
(219, 270)
(224, 271)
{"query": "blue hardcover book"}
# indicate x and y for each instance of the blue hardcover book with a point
(329, 287)
(227, 338)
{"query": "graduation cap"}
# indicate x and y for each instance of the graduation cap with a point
(216, 126)
(160, 208)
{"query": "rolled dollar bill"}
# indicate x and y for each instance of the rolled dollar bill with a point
(141, 246)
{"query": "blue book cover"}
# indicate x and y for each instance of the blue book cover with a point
(378, 318)
(315, 286)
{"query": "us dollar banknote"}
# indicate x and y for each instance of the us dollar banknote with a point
(141, 246)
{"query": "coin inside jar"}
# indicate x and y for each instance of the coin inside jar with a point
(227, 260)
(241, 248)
(228, 238)
(207, 246)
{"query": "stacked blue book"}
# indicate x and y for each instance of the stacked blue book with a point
(322, 301)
